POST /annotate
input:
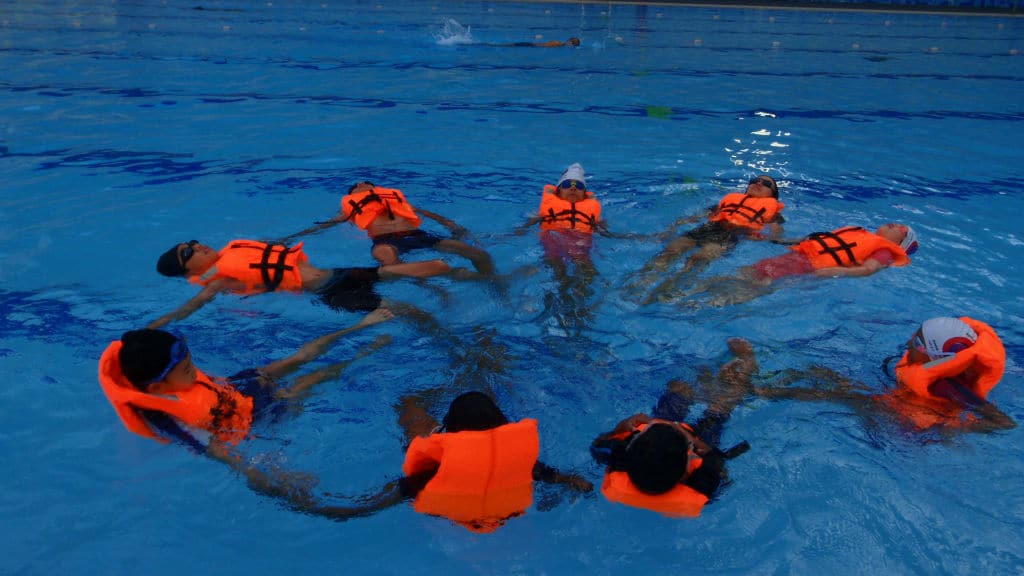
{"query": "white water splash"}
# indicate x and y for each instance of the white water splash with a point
(451, 33)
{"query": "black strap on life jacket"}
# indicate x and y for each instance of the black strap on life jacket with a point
(225, 409)
(266, 265)
(736, 450)
(745, 211)
(357, 207)
(572, 216)
(370, 198)
(821, 238)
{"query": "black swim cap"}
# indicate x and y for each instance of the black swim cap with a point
(656, 460)
(169, 265)
(473, 411)
(144, 355)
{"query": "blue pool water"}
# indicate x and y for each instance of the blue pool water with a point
(128, 126)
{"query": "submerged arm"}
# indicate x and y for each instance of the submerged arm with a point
(602, 228)
(691, 219)
(826, 386)
(456, 230)
(195, 303)
(989, 419)
(520, 230)
(293, 488)
(869, 267)
(392, 493)
(544, 473)
(316, 227)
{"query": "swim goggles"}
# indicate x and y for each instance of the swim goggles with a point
(188, 251)
(179, 351)
(765, 182)
(918, 343)
(577, 184)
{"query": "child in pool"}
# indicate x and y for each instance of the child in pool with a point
(942, 381)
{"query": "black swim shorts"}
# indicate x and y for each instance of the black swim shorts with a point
(266, 406)
(409, 240)
(351, 289)
(714, 233)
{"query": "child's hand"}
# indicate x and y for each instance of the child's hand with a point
(629, 424)
(579, 483)
(458, 231)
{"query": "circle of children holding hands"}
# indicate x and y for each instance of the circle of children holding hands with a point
(477, 468)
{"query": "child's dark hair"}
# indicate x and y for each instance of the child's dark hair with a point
(353, 187)
(656, 460)
(144, 355)
(169, 265)
(473, 411)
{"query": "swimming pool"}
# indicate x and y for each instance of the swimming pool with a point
(127, 127)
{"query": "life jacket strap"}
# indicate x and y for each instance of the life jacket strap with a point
(822, 238)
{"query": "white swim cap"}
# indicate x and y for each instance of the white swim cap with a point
(573, 172)
(909, 243)
(946, 336)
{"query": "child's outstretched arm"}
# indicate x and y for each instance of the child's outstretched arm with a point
(827, 385)
(208, 293)
(989, 419)
(316, 227)
(520, 230)
(602, 228)
(292, 487)
(691, 219)
(544, 473)
(869, 267)
(391, 494)
(457, 231)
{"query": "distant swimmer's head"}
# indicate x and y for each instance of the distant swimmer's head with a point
(900, 234)
(763, 186)
(657, 458)
(574, 41)
(909, 242)
(360, 187)
(473, 411)
(186, 259)
(942, 337)
(150, 356)
(572, 184)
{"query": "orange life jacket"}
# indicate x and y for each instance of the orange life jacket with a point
(746, 211)
(364, 207)
(912, 397)
(558, 214)
(680, 501)
(482, 478)
(261, 266)
(847, 247)
(208, 405)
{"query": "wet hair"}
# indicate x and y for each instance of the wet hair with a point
(144, 355)
(473, 411)
(774, 187)
(656, 459)
(353, 187)
(169, 264)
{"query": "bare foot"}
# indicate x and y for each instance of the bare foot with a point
(681, 388)
(377, 316)
(740, 347)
